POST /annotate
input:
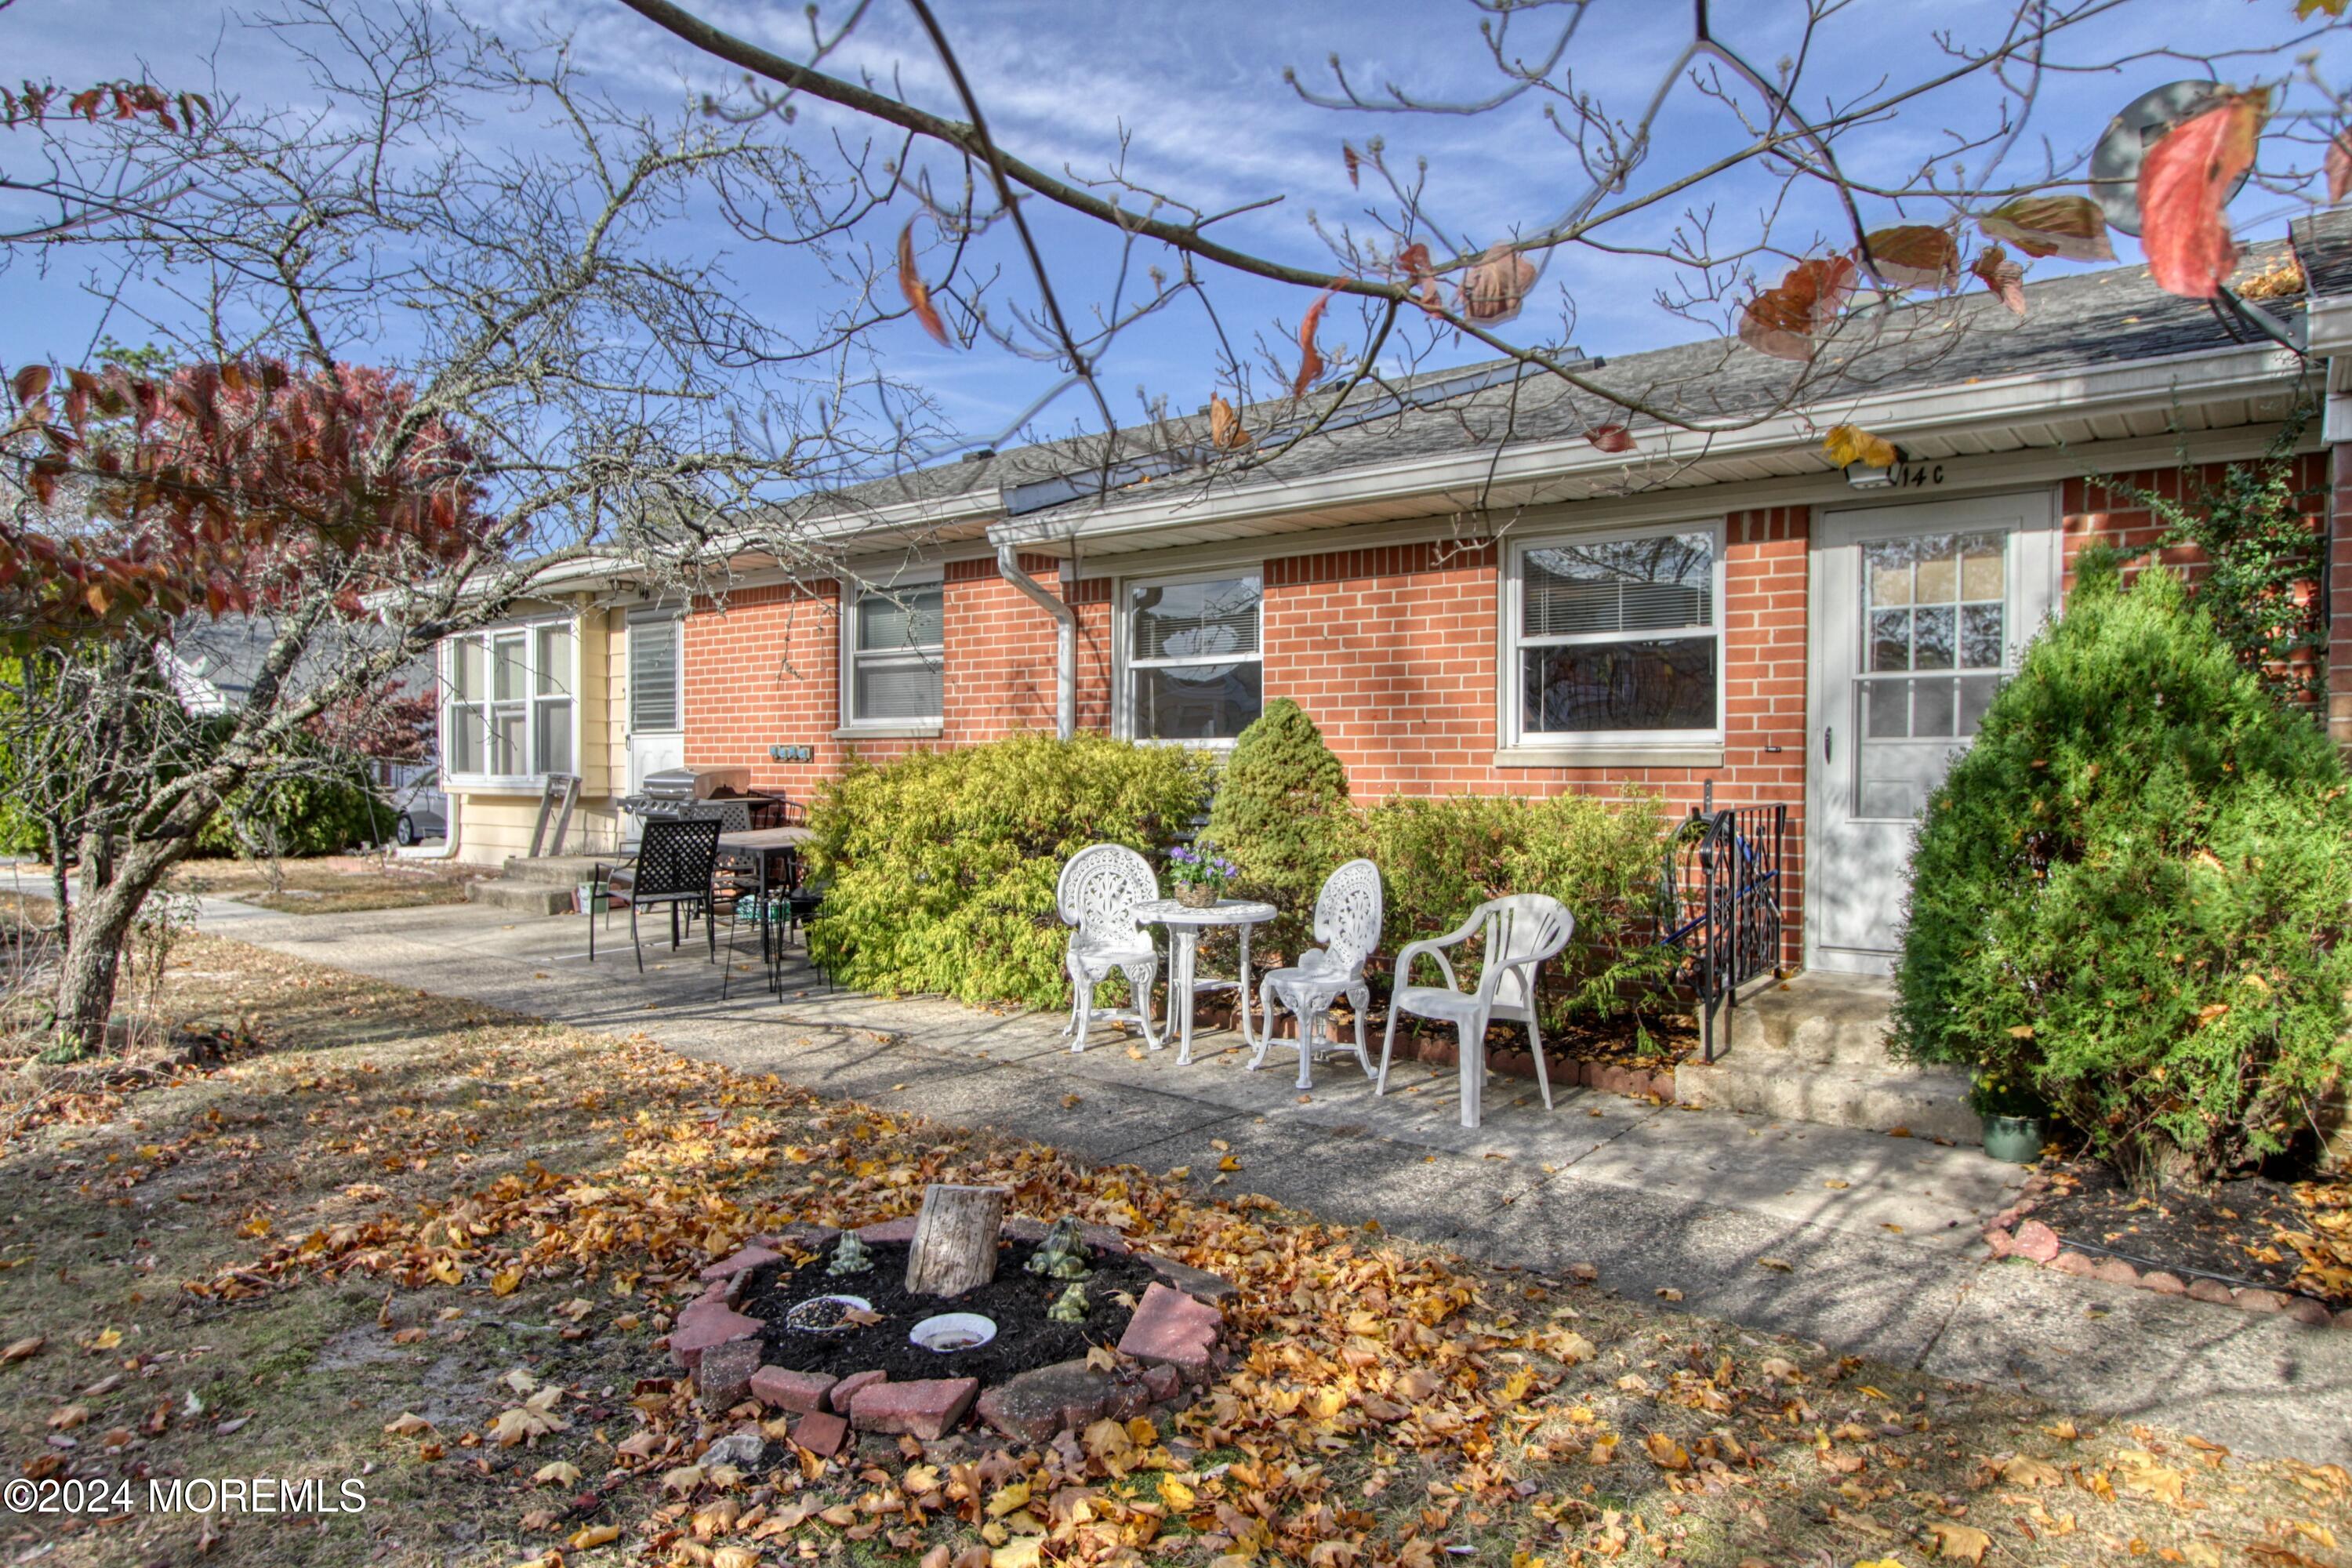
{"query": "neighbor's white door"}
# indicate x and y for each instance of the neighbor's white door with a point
(1920, 612)
(657, 706)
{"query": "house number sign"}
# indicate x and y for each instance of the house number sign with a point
(791, 753)
(1917, 475)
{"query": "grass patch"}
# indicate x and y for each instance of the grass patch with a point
(329, 884)
(387, 1220)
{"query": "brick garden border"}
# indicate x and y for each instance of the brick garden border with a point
(1174, 1339)
(2010, 1235)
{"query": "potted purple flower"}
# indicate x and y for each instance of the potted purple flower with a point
(1201, 873)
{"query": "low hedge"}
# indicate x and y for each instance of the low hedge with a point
(1442, 858)
(939, 867)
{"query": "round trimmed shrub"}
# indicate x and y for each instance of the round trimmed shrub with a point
(2133, 892)
(939, 867)
(1281, 814)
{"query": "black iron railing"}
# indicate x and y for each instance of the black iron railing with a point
(1720, 893)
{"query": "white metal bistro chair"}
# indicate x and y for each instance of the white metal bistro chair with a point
(1098, 893)
(1348, 923)
(1521, 932)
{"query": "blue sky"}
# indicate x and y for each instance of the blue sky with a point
(1197, 92)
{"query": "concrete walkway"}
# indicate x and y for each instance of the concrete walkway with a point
(1879, 1233)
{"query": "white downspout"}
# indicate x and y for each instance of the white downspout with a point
(448, 850)
(1065, 638)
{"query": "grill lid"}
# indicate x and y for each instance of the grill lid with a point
(697, 784)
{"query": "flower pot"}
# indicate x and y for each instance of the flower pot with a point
(583, 897)
(1195, 895)
(2015, 1140)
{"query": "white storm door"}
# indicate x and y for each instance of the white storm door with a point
(1920, 612)
(656, 697)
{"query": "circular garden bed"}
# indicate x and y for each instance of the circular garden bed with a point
(777, 1331)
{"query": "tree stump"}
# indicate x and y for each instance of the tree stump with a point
(954, 1249)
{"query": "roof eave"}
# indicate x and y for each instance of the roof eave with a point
(2202, 376)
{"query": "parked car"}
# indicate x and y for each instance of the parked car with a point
(414, 789)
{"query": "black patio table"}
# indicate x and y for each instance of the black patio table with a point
(772, 856)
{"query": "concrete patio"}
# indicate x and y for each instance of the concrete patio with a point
(1878, 1234)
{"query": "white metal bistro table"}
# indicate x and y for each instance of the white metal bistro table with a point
(1185, 925)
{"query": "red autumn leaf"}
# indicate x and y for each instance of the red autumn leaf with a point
(1414, 259)
(1310, 358)
(1610, 438)
(2002, 276)
(31, 382)
(1354, 165)
(918, 292)
(1785, 320)
(2185, 181)
(1915, 256)
(2069, 227)
(1496, 284)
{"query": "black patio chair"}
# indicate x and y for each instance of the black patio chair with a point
(675, 867)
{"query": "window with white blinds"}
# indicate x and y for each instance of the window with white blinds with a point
(1195, 671)
(654, 663)
(1619, 637)
(897, 655)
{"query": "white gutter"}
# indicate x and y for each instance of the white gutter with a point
(1065, 638)
(448, 850)
(2252, 371)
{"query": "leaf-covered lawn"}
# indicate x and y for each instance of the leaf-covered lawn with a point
(431, 1248)
(329, 884)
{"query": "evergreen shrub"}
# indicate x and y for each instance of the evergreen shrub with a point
(939, 867)
(1281, 814)
(2132, 892)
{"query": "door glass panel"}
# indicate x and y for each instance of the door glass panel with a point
(1932, 602)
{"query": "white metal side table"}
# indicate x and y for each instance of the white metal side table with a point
(1185, 925)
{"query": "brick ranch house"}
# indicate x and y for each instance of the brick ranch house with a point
(1469, 595)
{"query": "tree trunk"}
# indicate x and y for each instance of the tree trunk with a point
(955, 1241)
(112, 894)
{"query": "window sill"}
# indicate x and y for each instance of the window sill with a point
(1543, 756)
(889, 732)
(495, 784)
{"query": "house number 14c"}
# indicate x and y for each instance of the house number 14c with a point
(1918, 476)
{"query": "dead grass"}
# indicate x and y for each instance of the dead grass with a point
(383, 1204)
(329, 884)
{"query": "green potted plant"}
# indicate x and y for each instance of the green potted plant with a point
(1201, 873)
(2011, 1112)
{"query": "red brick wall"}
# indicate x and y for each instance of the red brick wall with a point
(2339, 600)
(1000, 658)
(1392, 652)
(763, 668)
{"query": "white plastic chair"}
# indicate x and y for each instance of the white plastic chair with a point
(1098, 890)
(1521, 932)
(1347, 922)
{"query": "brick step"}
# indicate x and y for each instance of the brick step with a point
(524, 897)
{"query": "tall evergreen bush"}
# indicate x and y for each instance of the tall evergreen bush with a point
(2133, 891)
(1281, 814)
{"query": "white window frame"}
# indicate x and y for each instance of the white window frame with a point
(1513, 685)
(531, 700)
(1127, 664)
(852, 591)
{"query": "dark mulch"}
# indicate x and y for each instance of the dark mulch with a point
(1015, 1301)
(2233, 1234)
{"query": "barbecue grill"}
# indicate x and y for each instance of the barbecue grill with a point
(667, 794)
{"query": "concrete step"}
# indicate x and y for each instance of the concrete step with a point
(524, 897)
(1813, 1016)
(1931, 1101)
(557, 870)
